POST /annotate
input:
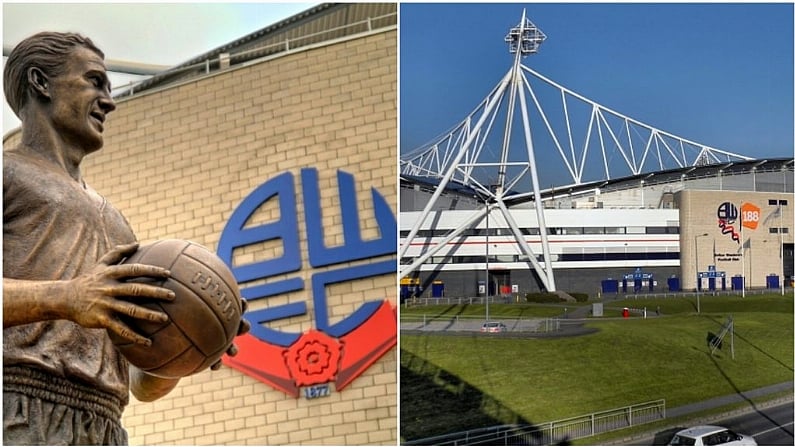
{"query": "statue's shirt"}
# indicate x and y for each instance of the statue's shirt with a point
(56, 228)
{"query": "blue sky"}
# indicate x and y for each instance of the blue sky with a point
(717, 74)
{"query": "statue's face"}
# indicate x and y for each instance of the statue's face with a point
(81, 100)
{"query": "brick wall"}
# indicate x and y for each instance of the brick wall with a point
(698, 217)
(179, 160)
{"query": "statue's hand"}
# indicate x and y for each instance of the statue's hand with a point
(94, 298)
(244, 327)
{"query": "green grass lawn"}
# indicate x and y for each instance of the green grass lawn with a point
(457, 383)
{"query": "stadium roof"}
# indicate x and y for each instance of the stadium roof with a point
(322, 23)
(649, 179)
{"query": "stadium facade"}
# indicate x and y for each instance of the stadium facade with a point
(663, 229)
(275, 126)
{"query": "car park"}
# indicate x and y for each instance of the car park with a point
(493, 327)
(710, 435)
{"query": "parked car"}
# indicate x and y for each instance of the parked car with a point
(710, 435)
(493, 327)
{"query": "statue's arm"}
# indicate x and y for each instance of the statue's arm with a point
(92, 300)
(32, 301)
(147, 388)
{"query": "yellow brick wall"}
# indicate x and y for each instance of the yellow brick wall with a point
(178, 161)
(698, 216)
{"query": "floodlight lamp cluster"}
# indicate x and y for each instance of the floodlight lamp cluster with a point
(525, 37)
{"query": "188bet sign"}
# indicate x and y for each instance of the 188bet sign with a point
(331, 351)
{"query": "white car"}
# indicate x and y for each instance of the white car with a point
(493, 326)
(710, 435)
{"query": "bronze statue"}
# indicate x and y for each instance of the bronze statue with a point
(64, 382)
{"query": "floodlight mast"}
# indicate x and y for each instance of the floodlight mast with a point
(523, 40)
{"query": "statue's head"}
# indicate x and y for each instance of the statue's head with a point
(47, 52)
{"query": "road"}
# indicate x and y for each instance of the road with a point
(771, 426)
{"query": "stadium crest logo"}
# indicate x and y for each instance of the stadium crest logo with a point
(330, 351)
(729, 216)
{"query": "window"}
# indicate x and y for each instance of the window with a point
(635, 256)
(712, 439)
(683, 440)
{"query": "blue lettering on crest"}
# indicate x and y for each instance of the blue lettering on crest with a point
(236, 235)
(354, 248)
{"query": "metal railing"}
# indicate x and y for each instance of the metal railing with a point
(685, 293)
(459, 300)
(556, 431)
(267, 49)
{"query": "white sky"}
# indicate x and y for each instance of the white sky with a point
(151, 33)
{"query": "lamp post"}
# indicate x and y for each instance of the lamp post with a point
(488, 281)
(778, 211)
(486, 202)
(698, 280)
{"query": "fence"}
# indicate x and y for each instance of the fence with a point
(640, 296)
(557, 431)
(502, 299)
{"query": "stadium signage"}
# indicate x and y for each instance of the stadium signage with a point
(328, 352)
(732, 220)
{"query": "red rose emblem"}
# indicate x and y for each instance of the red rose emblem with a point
(313, 358)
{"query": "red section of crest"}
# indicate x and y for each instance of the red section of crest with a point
(367, 343)
(316, 357)
(262, 361)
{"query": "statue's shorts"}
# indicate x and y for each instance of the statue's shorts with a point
(40, 409)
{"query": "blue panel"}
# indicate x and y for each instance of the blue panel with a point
(280, 338)
(272, 289)
(351, 322)
(235, 235)
(354, 248)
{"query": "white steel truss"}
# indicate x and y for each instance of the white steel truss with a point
(622, 143)
(612, 144)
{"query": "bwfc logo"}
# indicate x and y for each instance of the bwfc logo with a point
(728, 215)
(332, 351)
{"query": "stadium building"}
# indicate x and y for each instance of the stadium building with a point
(665, 226)
(277, 151)
(643, 210)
